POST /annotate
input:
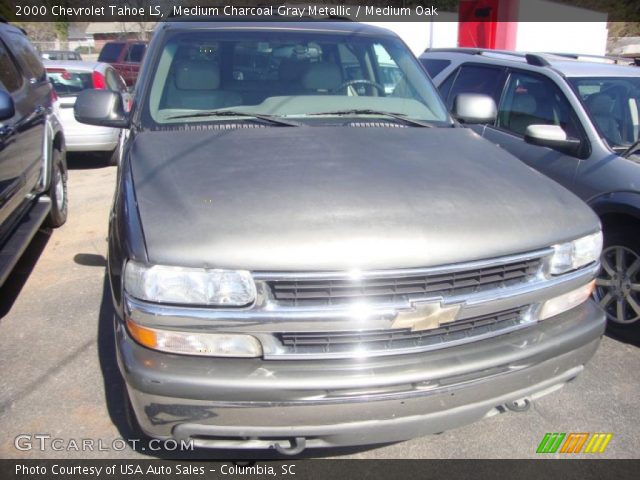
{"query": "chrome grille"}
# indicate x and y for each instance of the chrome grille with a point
(314, 343)
(323, 292)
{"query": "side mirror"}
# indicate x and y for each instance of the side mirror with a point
(101, 107)
(7, 108)
(552, 136)
(474, 108)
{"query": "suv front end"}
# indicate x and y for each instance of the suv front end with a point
(325, 359)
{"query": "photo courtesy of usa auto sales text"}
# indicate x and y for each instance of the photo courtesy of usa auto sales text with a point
(98, 471)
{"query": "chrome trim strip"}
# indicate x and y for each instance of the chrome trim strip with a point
(357, 274)
(266, 317)
(270, 353)
(345, 317)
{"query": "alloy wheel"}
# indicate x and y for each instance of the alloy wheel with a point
(618, 284)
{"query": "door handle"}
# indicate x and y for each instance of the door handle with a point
(6, 131)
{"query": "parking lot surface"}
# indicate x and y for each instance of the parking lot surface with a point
(59, 377)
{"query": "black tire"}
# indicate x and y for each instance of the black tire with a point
(135, 431)
(619, 278)
(58, 191)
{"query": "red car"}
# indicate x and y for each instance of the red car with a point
(125, 56)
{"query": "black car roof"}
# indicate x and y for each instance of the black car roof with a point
(311, 24)
(6, 26)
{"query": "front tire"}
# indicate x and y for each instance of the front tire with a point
(58, 192)
(618, 283)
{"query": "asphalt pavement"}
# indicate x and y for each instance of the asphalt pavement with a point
(59, 379)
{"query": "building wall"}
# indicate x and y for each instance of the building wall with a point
(587, 38)
(422, 35)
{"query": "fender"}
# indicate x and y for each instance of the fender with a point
(626, 202)
(126, 237)
(52, 128)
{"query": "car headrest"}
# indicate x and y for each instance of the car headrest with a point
(322, 76)
(291, 70)
(524, 103)
(197, 75)
(600, 104)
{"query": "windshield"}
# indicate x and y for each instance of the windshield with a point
(287, 74)
(614, 107)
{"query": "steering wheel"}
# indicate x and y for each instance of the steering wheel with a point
(348, 83)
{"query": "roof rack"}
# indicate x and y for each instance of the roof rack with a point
(531, 58)
(596, 58)
(537, 60)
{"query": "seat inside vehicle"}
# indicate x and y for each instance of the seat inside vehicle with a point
(523, 112)
(322, 78)
(601, 106)
(195, 84)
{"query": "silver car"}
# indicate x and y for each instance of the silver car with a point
(69, 78)
(577, 120)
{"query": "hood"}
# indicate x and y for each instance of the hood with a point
(334, 198)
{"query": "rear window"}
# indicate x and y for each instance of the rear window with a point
(434, 65)
(135, 53)
(67, 83)
(110, 52)
(60, 56)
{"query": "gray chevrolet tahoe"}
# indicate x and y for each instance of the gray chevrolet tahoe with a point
(304, 259)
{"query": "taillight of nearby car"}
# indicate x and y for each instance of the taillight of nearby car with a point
(99, 82)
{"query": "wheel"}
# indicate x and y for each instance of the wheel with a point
(115, 156)
(58, 192)
(618, 283)
(362, 81)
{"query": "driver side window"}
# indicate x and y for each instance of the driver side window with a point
(530, 99)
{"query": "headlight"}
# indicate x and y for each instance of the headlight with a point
(193, 286)
(573, 255)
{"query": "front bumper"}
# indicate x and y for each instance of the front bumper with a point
(253, 403)
(98, 139)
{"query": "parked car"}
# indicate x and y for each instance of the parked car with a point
(298, 263)
(577, 122)
(125, 57)
(71, 78)
(33, 170)
(60, 55)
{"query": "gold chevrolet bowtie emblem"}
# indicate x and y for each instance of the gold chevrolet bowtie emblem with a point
(426, 316)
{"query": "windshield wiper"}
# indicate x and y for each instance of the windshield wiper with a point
(632, 149)
(366, 111)
(233, 113)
